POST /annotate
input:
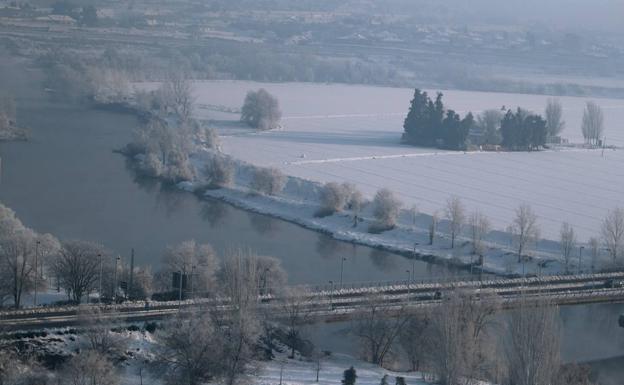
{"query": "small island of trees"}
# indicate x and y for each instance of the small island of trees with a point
(430, 124)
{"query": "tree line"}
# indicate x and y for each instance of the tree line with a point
(430, 124)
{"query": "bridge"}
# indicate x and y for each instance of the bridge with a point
(335, 304)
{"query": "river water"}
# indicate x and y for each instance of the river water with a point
(67, 181)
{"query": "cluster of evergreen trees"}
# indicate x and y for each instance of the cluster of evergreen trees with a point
(429, 124)
(523, 131)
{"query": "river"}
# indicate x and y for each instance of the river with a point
(68, 181)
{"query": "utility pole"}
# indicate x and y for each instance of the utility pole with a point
(130, 287)
(36, 271)
(331, 293)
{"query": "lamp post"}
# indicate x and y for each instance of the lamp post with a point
(115, 280)
(580, 258)
(36, 271)
(341, 269)
(414, 262)
(409, 275)
(100, 289)
(192, 286)
(180, 292)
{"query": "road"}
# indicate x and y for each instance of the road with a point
(330, 304)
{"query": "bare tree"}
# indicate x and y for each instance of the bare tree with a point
(479, 227)
(89, 367)
(240, 279)
(593, 123)
(567, 242)
(268, 181)
(413, 339)
(77, 266)
(261, 110)
(455, 214)
(97, 325)
(524, 229)
(458, 335)
(194, 260)
(533, 343)
(219, 171)
(178, 94)
(489, 121)
(297, 309)
(377, 330)
(613, 233)
(554, 117)
(386, 208)
(190, 348)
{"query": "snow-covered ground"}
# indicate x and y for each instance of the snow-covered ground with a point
(352, 133)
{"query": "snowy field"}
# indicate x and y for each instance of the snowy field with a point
(351, 133)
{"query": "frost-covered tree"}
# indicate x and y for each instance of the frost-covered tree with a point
(219, 171)
(98, 331)
(23, 256)
(456, 215)
(554, 117)
(177, 94)
(613, 233)
(89, 367)
(479, 227)
(193, 260)
(593, 123)
(489, 122)
(525, 229)
(77, 267)
(386, 208)
(190, 349)
(261, 110)
(333, 198)
(268, 181)
(567, 242)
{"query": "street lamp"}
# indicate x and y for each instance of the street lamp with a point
(36, 271)
(192, 286)
(101, 267)
(115, 280)
(341, 269)
(409, 275)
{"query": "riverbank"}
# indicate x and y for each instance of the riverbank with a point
(299, 202)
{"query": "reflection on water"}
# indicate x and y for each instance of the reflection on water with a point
(214, 212)
(382, 260)
(264, 225)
